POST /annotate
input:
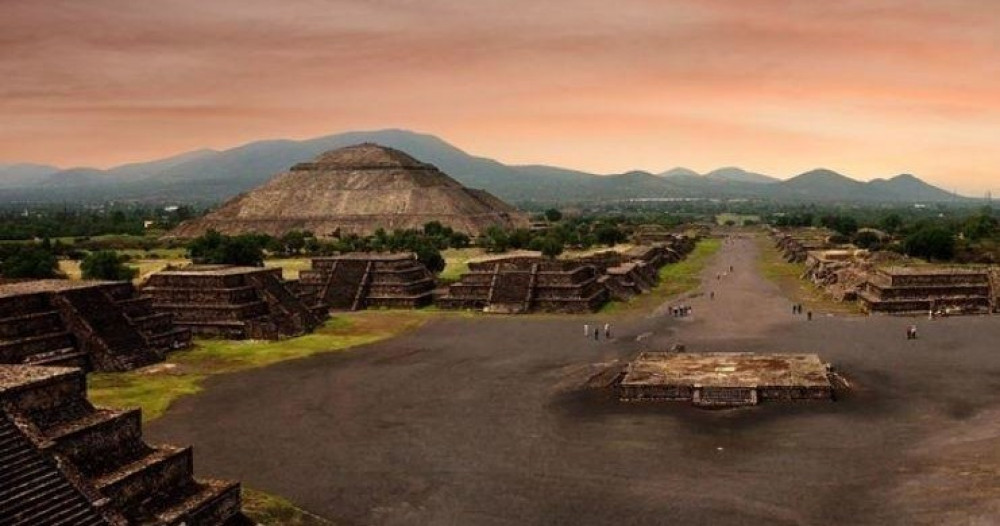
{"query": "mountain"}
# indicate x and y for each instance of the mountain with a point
(680, 171)
(209, 176)
(739, 175)
(21, 174)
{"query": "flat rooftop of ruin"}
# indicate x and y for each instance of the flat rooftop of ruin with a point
(213, 270)
(933, 271)
(368, 256)
(47, 285)
(14, 376)
(713, 369)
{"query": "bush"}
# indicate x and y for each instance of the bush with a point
(931, 242)
(549, 246)
(867, 240)
(30, 261)
(553, 215)
(108, 265)
(215, 248)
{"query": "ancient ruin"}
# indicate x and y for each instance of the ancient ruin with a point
(97, 325)
(64, 461)
(357, 190)
(902, 290)
(524, 284)
(369, 280)
(234, 302)
(725, 379)
(796, 243)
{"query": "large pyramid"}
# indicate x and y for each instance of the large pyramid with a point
(357, 190)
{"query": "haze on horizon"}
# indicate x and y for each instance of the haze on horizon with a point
(870, 88)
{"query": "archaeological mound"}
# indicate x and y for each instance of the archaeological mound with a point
(357, 190)
(725, 379)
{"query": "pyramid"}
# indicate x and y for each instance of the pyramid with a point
(357, 190)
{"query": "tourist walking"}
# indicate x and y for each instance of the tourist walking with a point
(586, 330)
(607, 331)
(809, 315)
(597, 334)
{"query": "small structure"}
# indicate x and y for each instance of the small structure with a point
(918, 290)
(96, 325)
(725, 379)
(234, 302)
(369, 280)
(64, 461)
(524, 284)
(796, 243)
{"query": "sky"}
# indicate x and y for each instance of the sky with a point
(870, 88)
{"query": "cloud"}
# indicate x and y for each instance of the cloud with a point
(874, 86)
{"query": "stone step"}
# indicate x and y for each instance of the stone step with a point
(133, 486)
(101, 441)
(17, 350)
(213, 502)
(66, 357)
(33, 324)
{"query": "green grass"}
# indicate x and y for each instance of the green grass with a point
(269, 510)
(154, 388)
(675, 278)
(788, 277)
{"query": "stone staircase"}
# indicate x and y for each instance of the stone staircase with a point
(103, 452)
(33, 491)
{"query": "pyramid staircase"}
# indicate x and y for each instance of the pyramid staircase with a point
(96, 459)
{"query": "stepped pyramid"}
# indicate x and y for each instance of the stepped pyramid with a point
(357, 190)
(65, 462)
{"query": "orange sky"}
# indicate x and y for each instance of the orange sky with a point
(871, 88)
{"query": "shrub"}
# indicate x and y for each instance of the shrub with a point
(30, 261)
(106, 264)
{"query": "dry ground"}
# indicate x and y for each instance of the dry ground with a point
(483, 421)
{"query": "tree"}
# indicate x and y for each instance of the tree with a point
(30, 262)
(106, 264)
(892, 223)
(867, 239)
(930, 242)
(552, 215)
(215, 248)
(979, 226)
(549, 246)
(608, 234)
(495, 239)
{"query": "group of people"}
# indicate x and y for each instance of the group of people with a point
(911, 332)
(797, 309)
(597, 331)
(680, 311)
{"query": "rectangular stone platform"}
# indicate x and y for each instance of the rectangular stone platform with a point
(234, 302)
(100, 325)
(362, 280)
(918, 290)
(725, 379)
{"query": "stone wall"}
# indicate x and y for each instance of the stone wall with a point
(369, 280)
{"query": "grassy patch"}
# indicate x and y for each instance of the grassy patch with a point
(155, 388)
(788, 277)
(675, 278)
(457, 262)
(273, 510)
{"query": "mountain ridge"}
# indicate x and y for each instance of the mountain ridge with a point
(210, 176)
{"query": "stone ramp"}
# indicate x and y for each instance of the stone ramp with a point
(103, 453)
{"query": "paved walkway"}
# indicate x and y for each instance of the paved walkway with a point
(482, 421)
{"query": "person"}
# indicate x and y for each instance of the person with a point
(730, 268)
(711, 295)
(809, 315)
(586, 329)
(913, 332)
(607, 331)
(795, 309)
(597, 334)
